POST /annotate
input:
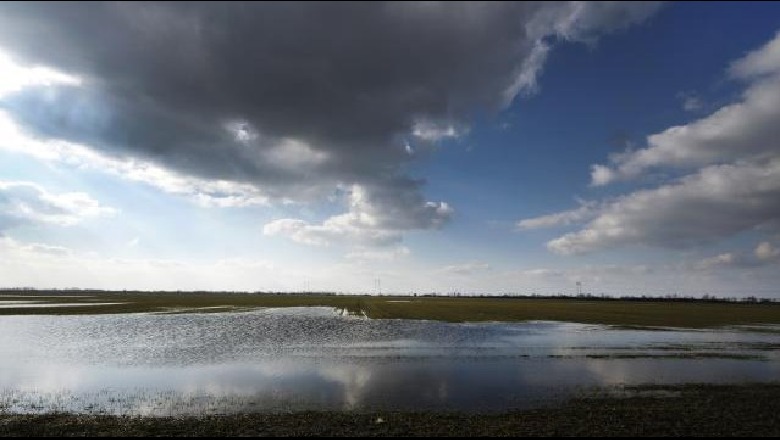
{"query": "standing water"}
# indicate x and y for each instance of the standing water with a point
(319, 358)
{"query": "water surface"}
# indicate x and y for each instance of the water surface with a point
(320, 358)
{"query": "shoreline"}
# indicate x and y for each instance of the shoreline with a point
(650, 410)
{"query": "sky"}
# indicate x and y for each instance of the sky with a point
(505, 148)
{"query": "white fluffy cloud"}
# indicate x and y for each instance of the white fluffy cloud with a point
(746, 129)
(733, 183)
(28, 203)
(716, 202)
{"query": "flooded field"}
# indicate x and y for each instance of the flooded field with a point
(321, 358)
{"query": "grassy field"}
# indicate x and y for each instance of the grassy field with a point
(619, 313)
(687, 410)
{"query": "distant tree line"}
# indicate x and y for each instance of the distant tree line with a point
(579, 297)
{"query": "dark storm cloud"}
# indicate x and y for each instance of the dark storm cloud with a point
(283, 95)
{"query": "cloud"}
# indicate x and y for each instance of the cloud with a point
(762, 61)
(586, 211)
(205, 192)
(743, 130)
(716, 202)
(691, 102)
(589, 273)
(282, 101)
(766, 252)
(601, 175)
(542, 272)
(724, 259)
(731, 184)
(35, 248)
(368, 254)
(15, 77)
(377, 215)
(28, 203)
(467, 268)
(432, 131)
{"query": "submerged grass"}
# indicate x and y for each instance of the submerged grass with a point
(652, 315)
(682, 410)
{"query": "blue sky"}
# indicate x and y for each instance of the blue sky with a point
(463, 147)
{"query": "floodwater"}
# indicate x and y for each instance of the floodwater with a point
(321, 358)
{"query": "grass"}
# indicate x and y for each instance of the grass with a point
(681, 410)
(628, 314)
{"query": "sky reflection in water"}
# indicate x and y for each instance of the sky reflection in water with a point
(314, 358)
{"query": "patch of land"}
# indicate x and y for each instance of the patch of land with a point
(686, 410)
(626, 314)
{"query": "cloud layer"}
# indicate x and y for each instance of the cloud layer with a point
(294, 99)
